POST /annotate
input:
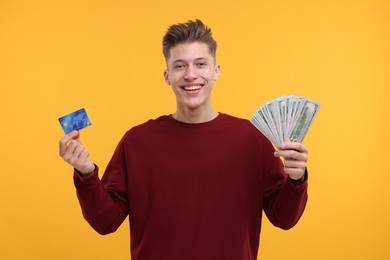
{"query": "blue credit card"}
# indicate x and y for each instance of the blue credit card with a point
(76, 120)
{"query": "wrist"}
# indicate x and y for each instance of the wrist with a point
(86, 173)
(300, 180)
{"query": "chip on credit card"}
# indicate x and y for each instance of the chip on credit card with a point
(76, 120)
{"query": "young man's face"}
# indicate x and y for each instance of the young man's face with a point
(191, 71)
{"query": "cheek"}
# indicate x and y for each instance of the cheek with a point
(177, 80)
(176, 91)
(209, 76)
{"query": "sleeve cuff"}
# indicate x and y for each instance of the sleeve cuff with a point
(88, 178)
(301, 180)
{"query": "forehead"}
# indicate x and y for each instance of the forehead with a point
(189, 51)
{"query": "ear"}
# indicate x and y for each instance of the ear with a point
(166, 77)
(217, 71)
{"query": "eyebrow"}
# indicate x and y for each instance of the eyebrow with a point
(197, 59)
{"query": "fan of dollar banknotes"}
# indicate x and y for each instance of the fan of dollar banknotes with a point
(286, 118)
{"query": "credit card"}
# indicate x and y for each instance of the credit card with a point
(76, 120)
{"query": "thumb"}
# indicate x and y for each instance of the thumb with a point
(75, 135)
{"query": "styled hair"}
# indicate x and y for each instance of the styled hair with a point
(191, 31)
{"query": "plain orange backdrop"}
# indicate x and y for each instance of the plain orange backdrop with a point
(105, 56)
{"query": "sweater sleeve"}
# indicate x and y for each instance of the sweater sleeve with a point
(284, 200)
(104, 202)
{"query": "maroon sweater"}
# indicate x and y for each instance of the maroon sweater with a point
(192, 191)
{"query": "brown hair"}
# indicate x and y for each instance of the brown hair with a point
(191, 31)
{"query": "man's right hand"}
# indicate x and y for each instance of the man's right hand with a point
(74, 153)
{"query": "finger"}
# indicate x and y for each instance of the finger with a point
(292, 155)
(82, 159)
(294, 146)
(84, 165)
(70, 150)
(75, 158)
(294, 164)
(65, 140)
(84, 155)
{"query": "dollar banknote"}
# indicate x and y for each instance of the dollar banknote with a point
(286, 118)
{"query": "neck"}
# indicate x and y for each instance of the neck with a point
(194, 116)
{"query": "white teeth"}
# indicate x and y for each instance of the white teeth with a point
(192, 88)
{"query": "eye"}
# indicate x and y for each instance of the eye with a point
(201, 64)
(179, 66)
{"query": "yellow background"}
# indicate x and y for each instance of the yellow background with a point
(105, 56)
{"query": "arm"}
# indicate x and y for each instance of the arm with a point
(285, 197)
(104, 205)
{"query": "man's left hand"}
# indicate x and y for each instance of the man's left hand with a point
(295, 159)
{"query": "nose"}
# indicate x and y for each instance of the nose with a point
(190, 73)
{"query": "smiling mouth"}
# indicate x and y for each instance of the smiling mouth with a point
(192, 88)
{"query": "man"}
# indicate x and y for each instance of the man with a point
(194, 183)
